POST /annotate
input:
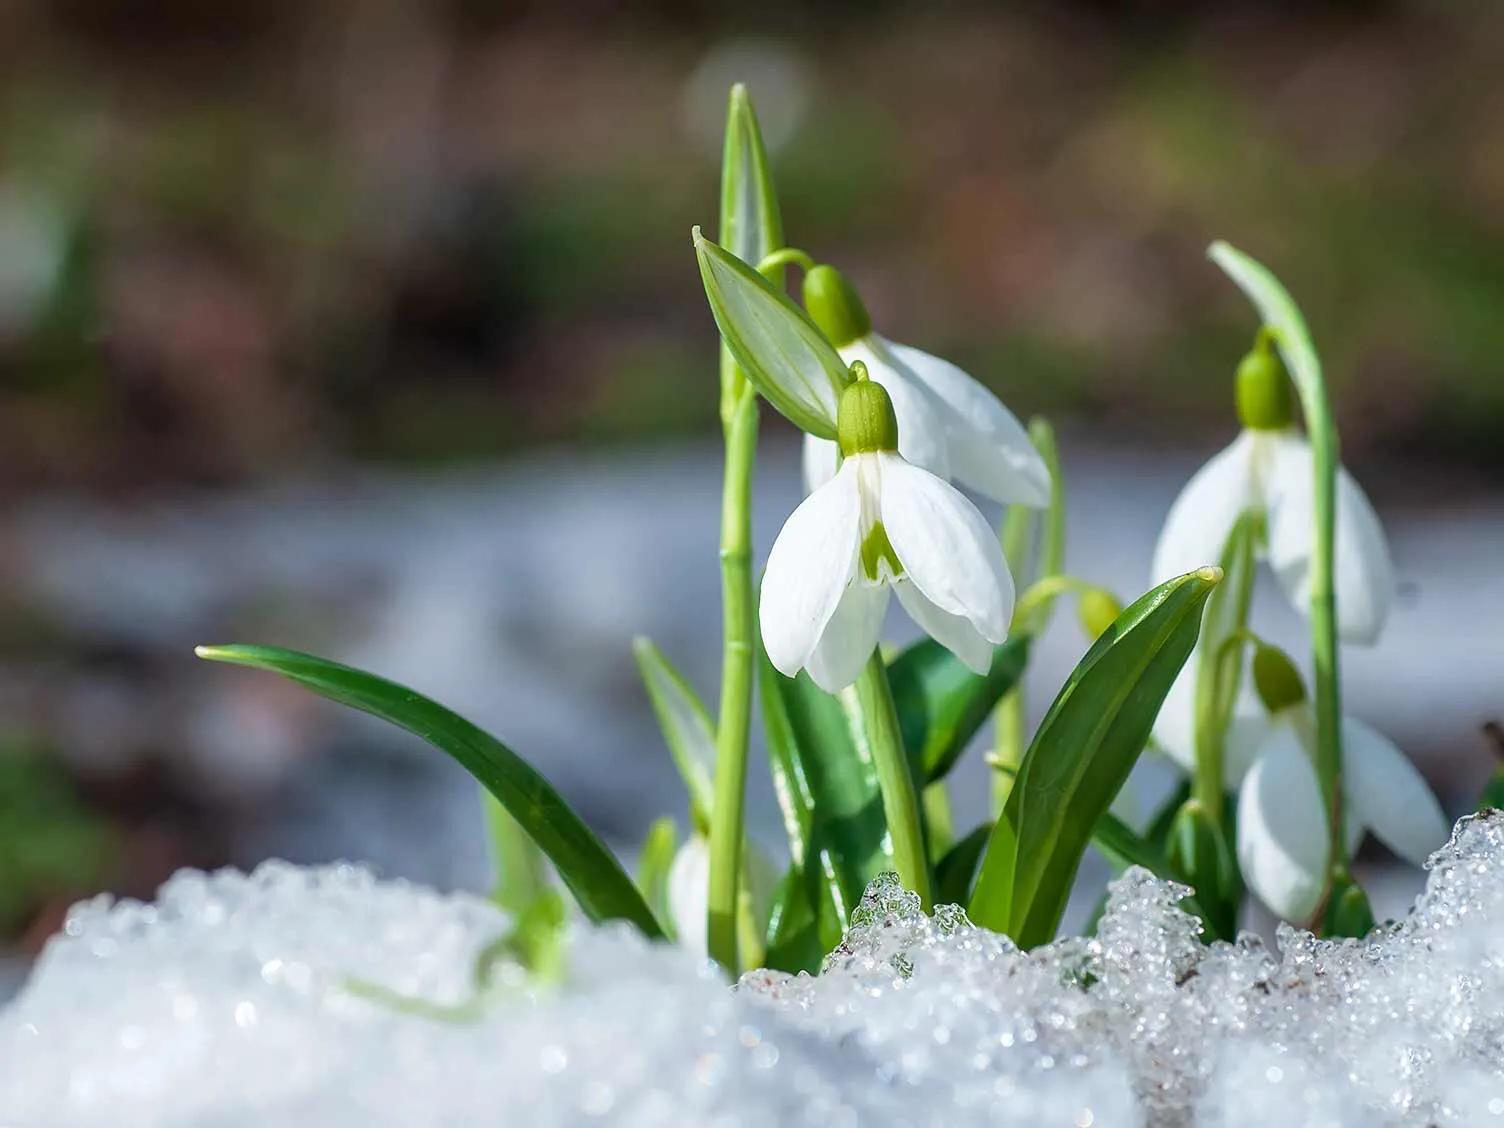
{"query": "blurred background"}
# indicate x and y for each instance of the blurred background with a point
(372, 329)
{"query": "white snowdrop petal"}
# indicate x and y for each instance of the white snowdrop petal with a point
(688, 893)
(1386, 794)
(1363, 571)
(922, 438)
(1175, 727)
(821, 459)
(850, 636)
(990, 450)
(1195, 531)
(811, 561)
(954, 632)
(1282, 835)
(946, 547)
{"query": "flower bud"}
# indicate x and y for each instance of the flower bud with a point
(1348, 912)
(834, 305)
(1097, 609)
(1277, 680)
(864, 420)
(1265, 399)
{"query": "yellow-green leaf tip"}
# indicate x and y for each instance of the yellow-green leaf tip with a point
(1211, 574)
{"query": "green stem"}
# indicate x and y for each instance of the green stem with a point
(786, 256)
(869, 705)
(1008, 748)
(738, 623)
(515, 857)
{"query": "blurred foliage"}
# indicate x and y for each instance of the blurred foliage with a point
(440, 231)
(51, 844)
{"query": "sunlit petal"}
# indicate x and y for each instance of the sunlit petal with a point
(1196, 529)
(1363, 572)
(850, 636)
(689, 893)
(989, 448)
(1282, 835)
(946, 547)
(1386, 794)
(812, 560)
(954, 632)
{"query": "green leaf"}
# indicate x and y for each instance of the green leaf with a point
(751, 226)
(1348, 912)
(653, 864)
(518, 862)
(941, 703)
(1123, 848)
(686, 725)
(590, 871)
(1080, 757)
(956, 871)
(793, 942)
(828, 788)
(786, 357)
(1201, 854)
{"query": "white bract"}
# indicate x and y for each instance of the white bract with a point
(880, 524)
(1270, 470)
(948, 422)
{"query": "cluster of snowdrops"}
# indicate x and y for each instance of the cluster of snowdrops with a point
(1280, 786)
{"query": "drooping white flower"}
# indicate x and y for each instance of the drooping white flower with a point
(948, 423)
(1269, 467)
(688, 889)
(1283, 840)
(880, 525)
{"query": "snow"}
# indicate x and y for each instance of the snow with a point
(248, 999)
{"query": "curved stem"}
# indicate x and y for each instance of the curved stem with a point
(786, 256)
(869, 706)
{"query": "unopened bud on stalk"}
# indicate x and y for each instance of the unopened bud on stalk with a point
(1097, 609)
(865, 422)
(1277, 680)
(1265, 398)
(834, 305)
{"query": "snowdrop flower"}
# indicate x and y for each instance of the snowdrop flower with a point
(1268, 467)
(947, 422)
(689, 890)
(1283, 841)
(880, 524)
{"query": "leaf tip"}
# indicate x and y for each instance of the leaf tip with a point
(1210, 574)
(209, 653)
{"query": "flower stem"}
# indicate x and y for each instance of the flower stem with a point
(738, 623)
(869, 706)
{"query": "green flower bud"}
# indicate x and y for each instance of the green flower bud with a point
(1277, 680)
(1265, 399)
(1097, 609)
(864, 420)
(835, 306)
(1348, 912)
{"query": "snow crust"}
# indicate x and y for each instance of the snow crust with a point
(239, 1000)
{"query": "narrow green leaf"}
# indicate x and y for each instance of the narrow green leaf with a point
(830, 791)
(1348, 912)
(793, 941)
(786, 357)
(518, 862)
(941, 703)
(956, 871)
(686, 725)
(1202, 855)
(590, 871)
(751, 225)
(1081, 756)
(653, 864)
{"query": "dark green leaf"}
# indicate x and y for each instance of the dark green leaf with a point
(793, 942)
(829, 792)
(1202, 856)
(941, 703)
(1080, 757)
(591, 872)
(958, 869)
